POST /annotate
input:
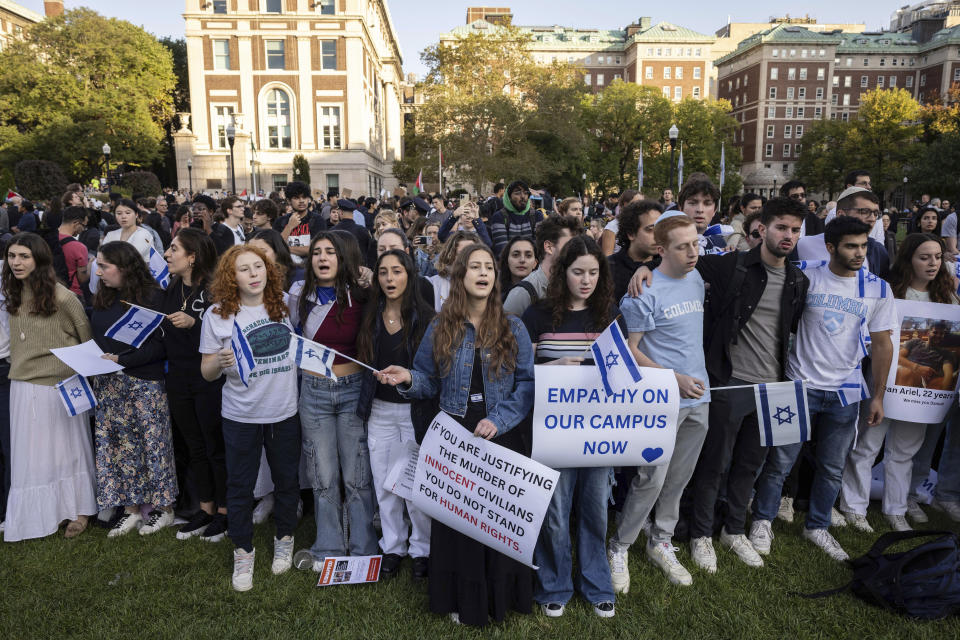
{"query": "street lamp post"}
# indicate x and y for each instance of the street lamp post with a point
(231, 138)
(905, 193)
(190, 174)
(674, 133)
(106, 157)
(584, 178)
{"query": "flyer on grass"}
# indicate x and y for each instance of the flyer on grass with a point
(350, 570)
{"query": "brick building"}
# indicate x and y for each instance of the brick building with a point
(15, 18)
(314, 77)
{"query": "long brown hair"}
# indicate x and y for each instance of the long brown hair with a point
(558, 295)
(226, 293)
(345, 280)
(447, 255)
(42, 281)
(493, 334)
(901, 273)
(138, 285)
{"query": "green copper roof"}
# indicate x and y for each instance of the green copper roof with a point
(667, 32)
(894, 43)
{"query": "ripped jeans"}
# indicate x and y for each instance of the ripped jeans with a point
(335, 447)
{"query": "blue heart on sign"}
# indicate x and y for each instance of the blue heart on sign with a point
(650, 454)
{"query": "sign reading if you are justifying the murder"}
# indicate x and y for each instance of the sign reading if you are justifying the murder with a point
(576, 424)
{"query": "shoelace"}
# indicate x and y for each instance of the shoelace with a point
(154, 519)
(122, 521)
(762, 533)
(244, 564)
(617, 560)
(283, 550)
(670, 554)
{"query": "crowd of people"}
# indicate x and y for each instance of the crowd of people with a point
(452, 304)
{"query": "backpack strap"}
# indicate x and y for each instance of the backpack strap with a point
(889, 539)
(529, 288)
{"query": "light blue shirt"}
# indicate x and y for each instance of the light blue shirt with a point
(669, 313)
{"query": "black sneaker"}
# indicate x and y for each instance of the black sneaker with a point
(421, 568)
(198, 523)
(216, 530)
(390, 566)
(604, 609)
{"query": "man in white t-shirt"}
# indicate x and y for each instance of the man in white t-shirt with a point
(845, 306)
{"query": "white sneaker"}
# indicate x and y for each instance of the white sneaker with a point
(823, 539)
(282, 555)
(664, 556)
(761, 536)
(785, 512)
(952, 509)
(858, 521)
(127, 523)
(703, 554)
(619, 572)
(243, 569)
(916, 513)
(158, 520)
(605, 609)
(742, 547)
(837, 519)
(898, 522)
(263, 509)
(552, 609)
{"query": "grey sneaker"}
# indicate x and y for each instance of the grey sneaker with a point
(243, 569)
(898, 522)
(785, 512)
(915, 512)
(823, 539)
(701, 550)
(619, 572)
(858, 521)
(761, 536)
(282, 555)
(739, 544)
(664, 555)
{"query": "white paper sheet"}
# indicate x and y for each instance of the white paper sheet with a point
(86, 359)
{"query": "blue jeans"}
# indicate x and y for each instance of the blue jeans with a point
(590, 488)
(836, 427)
(335, 447)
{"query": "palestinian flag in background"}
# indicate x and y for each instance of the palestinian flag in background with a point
(418, 185)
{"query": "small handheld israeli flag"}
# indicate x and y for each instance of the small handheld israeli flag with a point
(242, 353)
(718, 230)
(158, 268)
(135, 326)
(782, 413)
(315, 357)
(616, 364)
(76, 395)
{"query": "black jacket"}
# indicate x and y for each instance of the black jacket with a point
(222, 236)
(728, 310)
(622, 268)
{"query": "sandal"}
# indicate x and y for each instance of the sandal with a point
(75, 528)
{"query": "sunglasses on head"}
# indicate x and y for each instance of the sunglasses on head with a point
(755, 234)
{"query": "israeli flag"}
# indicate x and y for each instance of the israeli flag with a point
(718, 230)
(158, 268)
(135, 326)
(616, 364)
(242, 353)
(314, 357)
(782, 413)
(76, 394)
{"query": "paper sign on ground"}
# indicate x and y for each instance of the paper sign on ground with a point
(486, 492)
(403, 468)
(922, 384)
(576, 424)
(86, 359)
(349, 570)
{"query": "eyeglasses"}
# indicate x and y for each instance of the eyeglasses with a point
(755, 234)
(865, 211)
(798, 196)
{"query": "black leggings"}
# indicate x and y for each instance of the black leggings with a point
(195, 409)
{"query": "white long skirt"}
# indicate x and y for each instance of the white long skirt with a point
(52, 474)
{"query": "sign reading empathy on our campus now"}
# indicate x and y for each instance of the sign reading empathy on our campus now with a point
(576, 424)
(486, 492)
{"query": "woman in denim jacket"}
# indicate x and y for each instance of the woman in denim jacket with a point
(478, 362)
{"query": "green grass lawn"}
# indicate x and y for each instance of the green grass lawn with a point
(159, 587)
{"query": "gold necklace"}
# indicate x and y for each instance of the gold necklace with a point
(184, 296)
(23, 336)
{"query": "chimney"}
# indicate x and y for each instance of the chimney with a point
(53, 8)
(644, 23)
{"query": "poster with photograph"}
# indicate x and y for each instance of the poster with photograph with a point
(349, 570)
(922, 383)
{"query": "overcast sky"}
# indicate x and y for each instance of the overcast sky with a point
(418, 22)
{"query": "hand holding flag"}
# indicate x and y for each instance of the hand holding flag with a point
(76, 394)
(135, 326)
(158, 268)
(242, 353)
(314, 357)
(615, 362)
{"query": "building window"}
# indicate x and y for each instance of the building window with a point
(789, 93)
(221, 55)
(847, 82)
(729, 86)
(677, 93)
(649, 73)
(864, 82)
(659, 51)
(696, 92)
(678, 73)
(849, 62)
(845, 116)
(834, 98)
(278, 120)
(275, 57)
(819, 93)
(771, 112)
(768, 150)
(821, 73)
(956, 75)
(818, 112)
(776, 53)
(666, 73)
(666, 92)
(787, 131)
(846, 99)
(330, 129)
(328, 57)
(893, 82)
(786, 151)
(836, 81)
(791, 73)
(796, 149)
(586, 60)
(586, 78)
(649, 51)
(799, 112)
(668, 52)
(219, 6)
(788, 112)
(745, 78)
(923, 80)
(879, 81)
(273, 6)
(866, 62)
(883, 62)
(909, 82)
(774, 72)
(773, 93)
(599, 79)
(279, 181)
(697, 53)
(696, 75)
(802, 93)
(799, 131)
(803, 73)
(328, 7)
(618, 60)
(222, 116)
(771, 131)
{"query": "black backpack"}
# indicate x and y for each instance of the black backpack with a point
(923, 582)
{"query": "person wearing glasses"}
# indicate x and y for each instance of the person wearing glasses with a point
(751, 226)
(229, 232)
(796, 190)
(859, 203)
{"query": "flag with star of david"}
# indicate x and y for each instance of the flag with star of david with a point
(158, 268)
(617, 367)
(76, 395)
(135, 326)
(782, 413)
(314, 357)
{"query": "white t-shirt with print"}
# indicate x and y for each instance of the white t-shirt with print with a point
(272, 392)
(828, 345)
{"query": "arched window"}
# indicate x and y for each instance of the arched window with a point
(278, 119)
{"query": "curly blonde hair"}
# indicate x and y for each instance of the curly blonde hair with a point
(226, 293)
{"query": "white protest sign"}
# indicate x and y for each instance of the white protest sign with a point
(922, 384)
(496, 496)
(403, 469)
(576, 424)
(349, 570)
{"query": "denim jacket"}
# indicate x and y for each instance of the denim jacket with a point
(509, 397)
